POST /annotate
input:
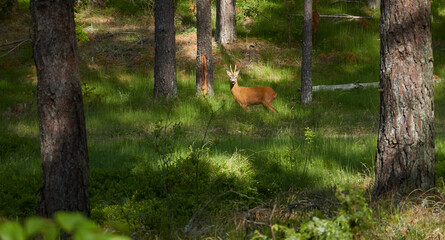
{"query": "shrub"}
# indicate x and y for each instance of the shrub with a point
(353, 217)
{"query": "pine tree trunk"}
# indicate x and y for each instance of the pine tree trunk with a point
(405, 149)
(15, 5)
(60, 109)
(165, 50)
(306, 63)
(225, 30)
(204, 35)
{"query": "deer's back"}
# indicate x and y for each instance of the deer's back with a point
(253, 95)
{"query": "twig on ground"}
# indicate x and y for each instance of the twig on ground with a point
(270, 220)
(256, 223)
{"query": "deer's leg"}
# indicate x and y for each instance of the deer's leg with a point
(244, 106)
(270, 107)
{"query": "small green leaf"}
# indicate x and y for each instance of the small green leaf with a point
(12, 231)
(35, 225)
(72, 221)
(51, 232)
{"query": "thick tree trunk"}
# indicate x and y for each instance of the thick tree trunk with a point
(60, 109)
(306, 63)
(165, 50)
(225, 29)
(405, 150)
(204, 65)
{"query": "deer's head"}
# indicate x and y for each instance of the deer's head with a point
(233, 74)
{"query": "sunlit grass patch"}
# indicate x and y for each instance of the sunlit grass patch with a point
(418, 216)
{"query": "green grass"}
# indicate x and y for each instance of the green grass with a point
(256, 154)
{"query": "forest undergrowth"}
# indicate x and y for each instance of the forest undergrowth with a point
(203, 167)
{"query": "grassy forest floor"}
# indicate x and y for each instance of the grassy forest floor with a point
(247, 170)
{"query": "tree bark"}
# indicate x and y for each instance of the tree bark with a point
(225, 29)
(15, 5)
(165, 50)
(405, 148)
(204, 65)
(63, 138)
(306, 62)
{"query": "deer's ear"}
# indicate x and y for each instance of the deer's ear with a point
(228, 73)
(236, 73)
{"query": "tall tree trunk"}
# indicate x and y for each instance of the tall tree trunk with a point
(306, 63)
(15, 5)
(60, 109)
(405, 149)
(165, 50)
(225, 30)
(204, 65)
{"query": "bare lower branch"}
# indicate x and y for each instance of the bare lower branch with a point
(18, 45)
(14, 42)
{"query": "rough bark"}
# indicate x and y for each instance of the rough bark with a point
(60, 109)
(204, 38)
(165, 54)
(306, 63)
(405, 149)
(225, 29)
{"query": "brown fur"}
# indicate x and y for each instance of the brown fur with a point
(251, 95)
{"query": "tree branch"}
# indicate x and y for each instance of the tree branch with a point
(14, 42)
(11, 43)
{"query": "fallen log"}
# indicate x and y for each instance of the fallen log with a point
(344, 86)
(339, 16)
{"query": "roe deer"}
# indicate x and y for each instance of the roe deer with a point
(250, 95)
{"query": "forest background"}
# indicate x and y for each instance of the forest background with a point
(229, 171)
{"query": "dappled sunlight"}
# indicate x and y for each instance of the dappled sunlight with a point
(24, 129)
(267, 73)
(125, 77)
(251, 54)
(186, 48)
(105, 21)
(236, 165)
(254, 156)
